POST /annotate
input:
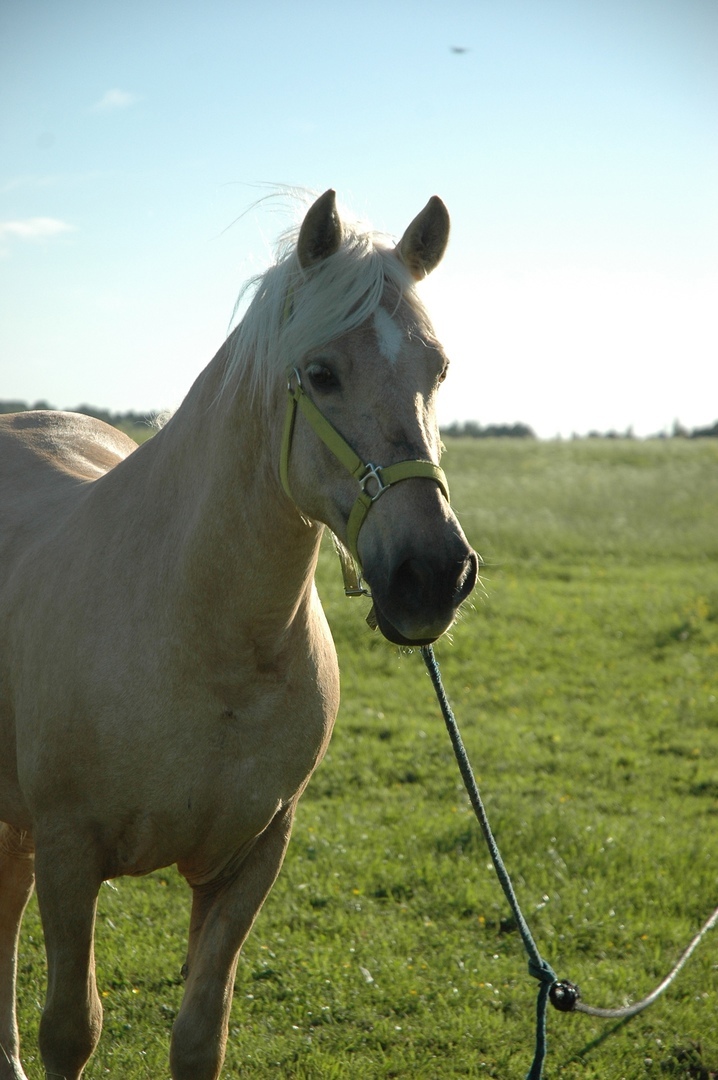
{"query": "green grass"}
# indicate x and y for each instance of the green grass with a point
(139, 432)
(585, 680)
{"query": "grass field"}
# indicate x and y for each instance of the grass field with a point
(585, 680)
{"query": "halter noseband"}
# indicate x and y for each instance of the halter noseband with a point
(373, 480)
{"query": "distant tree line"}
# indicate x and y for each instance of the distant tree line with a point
(122, 420)
(471, 429)
(467, 429)
(679, 432)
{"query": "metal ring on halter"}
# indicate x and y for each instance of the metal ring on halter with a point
(373, 472)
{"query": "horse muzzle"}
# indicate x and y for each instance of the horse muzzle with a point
(417, 599)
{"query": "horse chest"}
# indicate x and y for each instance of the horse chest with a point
(219, 788)
(244, 760)
(245, 754)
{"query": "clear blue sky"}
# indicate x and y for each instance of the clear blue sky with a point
(575, 143)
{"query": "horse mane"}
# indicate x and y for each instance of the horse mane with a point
(293, 310)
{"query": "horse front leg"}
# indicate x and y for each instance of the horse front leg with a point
(68, 882)
(16, 883)
(221, 920)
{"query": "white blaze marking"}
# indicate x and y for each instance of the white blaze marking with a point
(389, 335)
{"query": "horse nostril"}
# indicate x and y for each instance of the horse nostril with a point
(466, 580)
(412, 580)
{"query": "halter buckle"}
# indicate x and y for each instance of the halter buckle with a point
(372, 473)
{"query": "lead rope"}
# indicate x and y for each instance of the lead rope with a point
(563, 995)
(538, 967)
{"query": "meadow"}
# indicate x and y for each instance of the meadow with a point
(584, 676)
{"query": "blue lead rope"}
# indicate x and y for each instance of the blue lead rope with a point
(538, 967)
(564, 996)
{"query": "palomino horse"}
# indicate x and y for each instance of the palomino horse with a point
(168, 681)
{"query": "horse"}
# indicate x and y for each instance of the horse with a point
(168, 680)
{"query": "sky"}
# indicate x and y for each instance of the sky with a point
(575, 143)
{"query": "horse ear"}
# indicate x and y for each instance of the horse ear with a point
(422, 246)
(321, 231)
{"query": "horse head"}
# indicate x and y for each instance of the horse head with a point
(361, 452)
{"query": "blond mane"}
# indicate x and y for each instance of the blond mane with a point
(293, 310)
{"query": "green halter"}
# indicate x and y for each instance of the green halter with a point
(372, 479)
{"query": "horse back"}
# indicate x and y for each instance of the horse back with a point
(44, 458)
(38, 445)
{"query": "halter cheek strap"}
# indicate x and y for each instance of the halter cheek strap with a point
(372, 479)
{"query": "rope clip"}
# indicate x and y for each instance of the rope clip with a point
(564, 996)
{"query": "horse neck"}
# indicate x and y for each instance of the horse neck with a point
(243, 550)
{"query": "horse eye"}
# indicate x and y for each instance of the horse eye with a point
(444, 373)
(322, 378)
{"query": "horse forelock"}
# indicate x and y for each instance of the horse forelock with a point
(293, 310)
